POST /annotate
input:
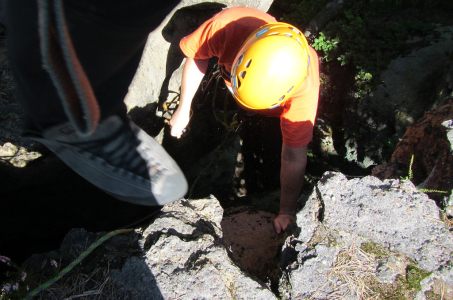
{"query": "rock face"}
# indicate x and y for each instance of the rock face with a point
(385, 229)
(159, 74)
(353, 239)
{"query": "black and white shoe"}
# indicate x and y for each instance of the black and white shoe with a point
(121, 159)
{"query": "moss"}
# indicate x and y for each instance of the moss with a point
(414, 275)
(376, 249)
(405, 286)
(430, 295)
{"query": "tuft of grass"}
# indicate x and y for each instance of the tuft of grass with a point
(96, 285)
(354, 268)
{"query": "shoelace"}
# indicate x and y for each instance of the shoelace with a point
(120, 150)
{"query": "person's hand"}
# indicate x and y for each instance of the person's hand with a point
(178, 122)
(282, 221)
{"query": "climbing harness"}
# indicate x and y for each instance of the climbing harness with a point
(228, 125)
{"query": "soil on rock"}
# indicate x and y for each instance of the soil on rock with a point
(253, 242)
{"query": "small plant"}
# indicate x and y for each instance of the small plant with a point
(327, 45)
(411, 175)
(21, 282)
(368, 34)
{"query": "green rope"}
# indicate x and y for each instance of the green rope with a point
(75, 262)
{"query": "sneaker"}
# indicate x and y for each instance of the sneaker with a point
(121, 159)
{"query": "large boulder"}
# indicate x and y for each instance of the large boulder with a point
(159, 74)
(363, 237)
(184, 258)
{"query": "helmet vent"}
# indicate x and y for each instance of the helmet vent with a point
(295, 30)
(242, 74)
(240, 58)
(274, 105)
(248, 63)
(238, 82)
(273, 33)
(281, 99)
(262, 31)
(288, 34)
(297, 39)
(290, 89)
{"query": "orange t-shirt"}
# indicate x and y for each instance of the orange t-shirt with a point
(222, 36)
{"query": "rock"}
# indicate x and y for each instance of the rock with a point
(323, 17)
(387, 225)
(159, 74)
(184, 258)
(449, 125)
(389, 268)
(353, 239)
(17, 156)
(449, 211)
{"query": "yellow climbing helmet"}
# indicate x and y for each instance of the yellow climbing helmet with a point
(270, 66)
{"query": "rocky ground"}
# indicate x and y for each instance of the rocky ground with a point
(392, 235)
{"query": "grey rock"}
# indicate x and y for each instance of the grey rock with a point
(449, 209)
(449, 125)
(158, 77)
(311, 275)
(343, 214)
(407, 79)
(323, 17)
(389, 268)
(392, 213)
(411, 85)
(183, 258)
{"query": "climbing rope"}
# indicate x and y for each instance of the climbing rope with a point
(75, 262)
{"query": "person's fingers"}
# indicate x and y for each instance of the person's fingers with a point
(175, 131)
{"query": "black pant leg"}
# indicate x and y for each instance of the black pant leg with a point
(108, 36)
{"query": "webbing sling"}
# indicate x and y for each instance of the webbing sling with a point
(67, 74)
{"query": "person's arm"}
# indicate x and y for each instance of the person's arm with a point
(293, 163)
(193, 73)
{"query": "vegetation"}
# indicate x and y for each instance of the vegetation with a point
(366, 33)
(405, 286)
